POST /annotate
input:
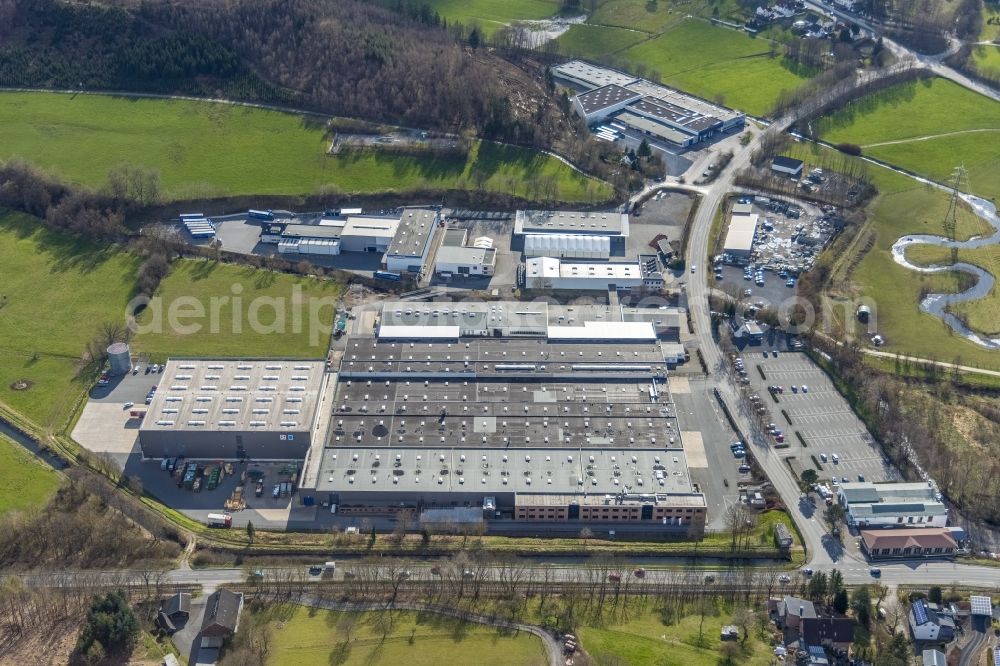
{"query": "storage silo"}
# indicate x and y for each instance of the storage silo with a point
(120, 358)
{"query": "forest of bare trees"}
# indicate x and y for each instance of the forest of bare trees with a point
(348, 58)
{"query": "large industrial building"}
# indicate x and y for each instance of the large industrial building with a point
(629, 103)
(567, 246)
(565, 222)
(403, 240)
(477, 412)
(553, 273)
(893, 505)
(225, 409)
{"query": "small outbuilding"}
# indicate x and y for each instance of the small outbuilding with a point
(787, 166)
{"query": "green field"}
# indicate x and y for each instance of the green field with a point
(319, 638)
(29, 483)
(491, 15)
(54, 292)
(596, 41)
(982, 315)
(991, 31)
(202, 150)
(986, 57)
(716, 63)
(255, 313)
(645, 640)
(903, 207)
(638, 14)
(893, 125)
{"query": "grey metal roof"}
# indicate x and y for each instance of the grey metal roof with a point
(604, 97)
(310, 231)
(570, 222)
(596, 472)
(233, 395)
(416, 226)
(451, 254)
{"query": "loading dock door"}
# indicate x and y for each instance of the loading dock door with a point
(574, 512)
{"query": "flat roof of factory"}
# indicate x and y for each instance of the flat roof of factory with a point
(232, 395)
(413, 232)
(570, 222)
(583, 473)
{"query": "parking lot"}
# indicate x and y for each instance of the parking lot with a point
(106, 426)
(706, 436)
(264, 511)
(820, 415)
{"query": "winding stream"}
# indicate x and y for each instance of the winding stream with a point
(936, 304)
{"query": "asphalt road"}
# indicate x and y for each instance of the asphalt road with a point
(824, 552)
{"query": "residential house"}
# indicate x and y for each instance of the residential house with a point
(831, 632)
(927, 624)
(222, 617)
(791, 610)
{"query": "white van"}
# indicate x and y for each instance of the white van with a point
(836, 458)
(329, 566)
(822, 457)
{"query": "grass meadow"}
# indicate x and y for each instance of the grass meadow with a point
(928, 127)
(982, 315)
(903, 206)
(30, 483)
(244, 312)
(715, 63)
(987, 58)
(310, 637)
(491, 15)
(644, 639)
(55, 290)
(596, 41)
(205, 149)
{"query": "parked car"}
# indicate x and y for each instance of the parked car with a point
(875, 572)
(784, 578)
(807, 572)
(128, 404)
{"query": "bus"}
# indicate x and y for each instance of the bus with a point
(388, 275)
(260, 214)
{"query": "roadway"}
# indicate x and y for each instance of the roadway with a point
(911, 573)
(935, 62)
(824, 551)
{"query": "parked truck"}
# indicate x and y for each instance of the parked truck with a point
(219, 520)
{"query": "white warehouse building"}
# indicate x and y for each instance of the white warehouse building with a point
(567, 246)
(552, 273)
(740, 237)
(368, 234)
(411, 243)
(893, 505)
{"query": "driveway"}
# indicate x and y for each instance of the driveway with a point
(187, 640)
